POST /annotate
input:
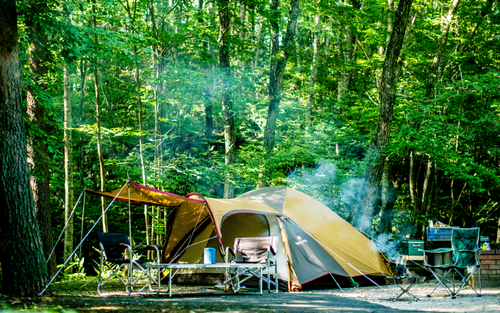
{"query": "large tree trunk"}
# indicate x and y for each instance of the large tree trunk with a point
(278, 64)
(37, 148)
(68, 166)
(387, 99)
(227, 104)
(21, 251)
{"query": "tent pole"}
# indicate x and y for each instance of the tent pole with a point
(62, 232)
(81, 242)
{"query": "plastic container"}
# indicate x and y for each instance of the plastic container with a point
(209, 256)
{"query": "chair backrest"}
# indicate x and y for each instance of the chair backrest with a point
(254, 249)
(464, 239)
(113, 244)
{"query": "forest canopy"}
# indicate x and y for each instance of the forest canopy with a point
(181, 96)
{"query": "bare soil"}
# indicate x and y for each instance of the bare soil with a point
(81, 296)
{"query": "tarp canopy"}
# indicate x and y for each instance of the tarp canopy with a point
(314, 240)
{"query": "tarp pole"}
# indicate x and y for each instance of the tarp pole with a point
(129, 216)
(81, 242)
(65, 226)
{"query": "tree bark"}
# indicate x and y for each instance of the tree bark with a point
(436, 61)
(227, 104)
(314, 71)
(68, 166)
(278, 64)
(98, 130)
(37, 147)
(387, 99)
(21, 251)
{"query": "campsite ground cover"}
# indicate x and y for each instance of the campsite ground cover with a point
(80, 296)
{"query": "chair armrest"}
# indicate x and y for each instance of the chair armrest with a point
(440, 250)
(229, 250)
(271, 249)
(474, 250)
(146, 248)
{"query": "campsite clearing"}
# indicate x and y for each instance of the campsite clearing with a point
(80, 296)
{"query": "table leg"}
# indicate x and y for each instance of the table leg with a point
(260, 281)
(170, 283)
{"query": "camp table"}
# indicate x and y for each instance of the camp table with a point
(174, 268)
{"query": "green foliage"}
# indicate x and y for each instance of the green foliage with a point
(455, 123)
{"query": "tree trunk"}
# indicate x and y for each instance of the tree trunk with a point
(21, 251)
(278, 64)
(37, 147)
(390, 25)
(83, 77)
(227, 104)
(440, 49)
(345, 74)
(314, 71)
(68, 166)
(98, 131)
(387, 99)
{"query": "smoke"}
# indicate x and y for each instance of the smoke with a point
(349, 197)
(318, 182)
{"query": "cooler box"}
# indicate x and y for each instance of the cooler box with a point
(410, 250)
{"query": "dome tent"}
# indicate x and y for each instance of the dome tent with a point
(314, 240)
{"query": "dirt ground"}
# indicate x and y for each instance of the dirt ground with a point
(81, 296)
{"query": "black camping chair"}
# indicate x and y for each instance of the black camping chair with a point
(402, 276)
(464, 258)
(117, 256)
(248, 255)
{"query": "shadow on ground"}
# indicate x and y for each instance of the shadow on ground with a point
(79, 297)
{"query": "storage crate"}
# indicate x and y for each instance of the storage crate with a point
(410, 249)
(439, 233)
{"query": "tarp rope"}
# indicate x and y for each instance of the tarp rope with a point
(337, 282)
(81, 242)
(83, 220)
(320, 243)
(190, 237)
(194, 244)
(65, 226)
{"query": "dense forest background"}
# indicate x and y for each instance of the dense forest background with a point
(181, 96)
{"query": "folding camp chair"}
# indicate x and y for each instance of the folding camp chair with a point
(402, 277)
(249, 253)
(117, 256)
(465, 258)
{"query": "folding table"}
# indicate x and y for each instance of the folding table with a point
(175, 267)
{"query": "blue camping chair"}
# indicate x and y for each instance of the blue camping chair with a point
(464, 261)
